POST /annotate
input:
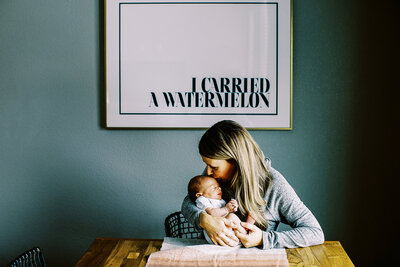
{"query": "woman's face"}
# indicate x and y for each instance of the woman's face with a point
(219, 169)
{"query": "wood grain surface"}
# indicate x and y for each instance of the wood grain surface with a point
(135, 252)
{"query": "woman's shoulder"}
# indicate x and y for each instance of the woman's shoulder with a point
(275, 176)
(278, 183)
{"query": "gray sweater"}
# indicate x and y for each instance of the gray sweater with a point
(283, 205)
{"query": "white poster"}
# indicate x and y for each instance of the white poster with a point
(189, 64)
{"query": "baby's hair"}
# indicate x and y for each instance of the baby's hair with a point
(194, 186)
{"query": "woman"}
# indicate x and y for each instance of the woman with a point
(237, 162)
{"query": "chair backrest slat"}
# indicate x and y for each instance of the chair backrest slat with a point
(31, 258)
(176, 225)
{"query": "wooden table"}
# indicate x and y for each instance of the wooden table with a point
(135, 252)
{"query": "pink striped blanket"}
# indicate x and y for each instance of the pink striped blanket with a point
(211, 255)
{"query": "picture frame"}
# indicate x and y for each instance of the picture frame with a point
(189, 64)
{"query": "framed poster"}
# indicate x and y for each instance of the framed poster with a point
(189, 64)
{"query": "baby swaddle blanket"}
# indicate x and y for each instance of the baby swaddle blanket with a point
(194, 252)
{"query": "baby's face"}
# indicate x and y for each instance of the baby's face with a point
(210, 188)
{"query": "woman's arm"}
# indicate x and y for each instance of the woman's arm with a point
(285, 206)
(191, 212)
(214, 226)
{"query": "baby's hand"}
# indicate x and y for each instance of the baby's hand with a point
(232, 205)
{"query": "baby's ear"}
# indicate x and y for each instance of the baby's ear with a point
(198, 194)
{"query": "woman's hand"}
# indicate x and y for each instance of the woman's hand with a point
(254, 236)
(217, 230)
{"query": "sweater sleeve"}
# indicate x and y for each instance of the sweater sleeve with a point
(191, 212)
(283, 205)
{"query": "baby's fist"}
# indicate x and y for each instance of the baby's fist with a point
(232, 205)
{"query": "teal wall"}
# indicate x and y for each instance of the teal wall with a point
(65, 179)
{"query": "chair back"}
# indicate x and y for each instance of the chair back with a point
(30, 258)
(176, 225)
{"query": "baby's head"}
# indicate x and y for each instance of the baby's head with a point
(205, 186)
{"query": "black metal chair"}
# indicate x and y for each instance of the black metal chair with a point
(177, 226)
(30, 258)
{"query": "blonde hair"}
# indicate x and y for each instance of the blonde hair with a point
(228, 140)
